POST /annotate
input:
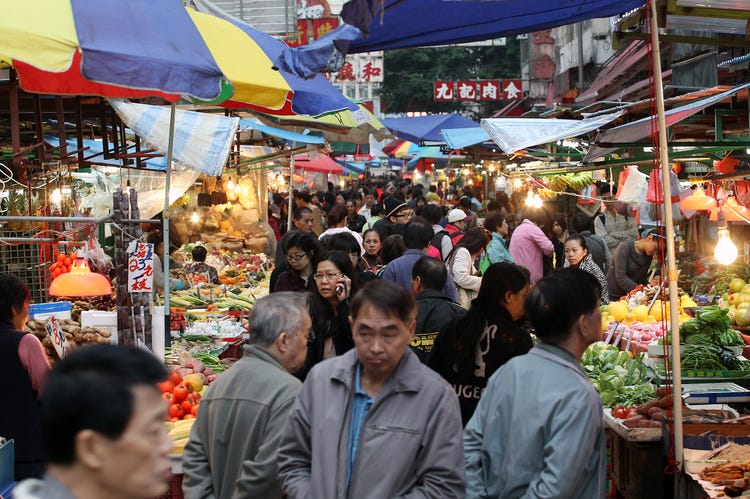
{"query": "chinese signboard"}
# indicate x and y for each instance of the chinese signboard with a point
(473, 90)
(360, 68)
(57, 337)
(140, 267)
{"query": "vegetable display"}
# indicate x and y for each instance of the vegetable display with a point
(619, 377)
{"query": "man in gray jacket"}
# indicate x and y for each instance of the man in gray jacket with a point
(233, 443)
(374, 422)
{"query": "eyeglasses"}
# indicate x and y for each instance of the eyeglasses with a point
(406, 214)
(327, 277)
(296, 258)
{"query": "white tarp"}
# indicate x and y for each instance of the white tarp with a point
(202, 141)
(514, 134)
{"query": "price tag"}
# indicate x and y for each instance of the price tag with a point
(140, 267)
(57, 336)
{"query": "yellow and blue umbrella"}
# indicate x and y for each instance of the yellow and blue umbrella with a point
(141, 48)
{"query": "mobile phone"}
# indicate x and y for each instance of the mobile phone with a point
(340, 289)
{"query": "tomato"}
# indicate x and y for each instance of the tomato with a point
(175, 378)
(187, 406)
(173, 420)
(166, 386)
(189, 416)
(176, 411)
(620, 412)
(194, 397)
(180, 393)
(194, 410)
(168, 397)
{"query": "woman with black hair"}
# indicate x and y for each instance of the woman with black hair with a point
(373, 244)
(469, 349)
(23, 369)
(577, 253)
(302, 254)
(558, 234)
(334, 281)
(343, 241)
(460, 264)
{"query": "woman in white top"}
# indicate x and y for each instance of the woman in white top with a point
(460, 263)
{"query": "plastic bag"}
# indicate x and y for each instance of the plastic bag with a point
(98, 260)
(630, 190)
(655, 192)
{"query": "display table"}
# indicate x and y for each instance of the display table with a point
(638, 461)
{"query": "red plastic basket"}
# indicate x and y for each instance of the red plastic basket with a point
(175, 488)
(234, 350)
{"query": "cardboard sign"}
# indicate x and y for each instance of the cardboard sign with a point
(140, 267)
(57, 336)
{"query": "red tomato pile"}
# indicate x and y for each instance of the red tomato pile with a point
(622, 412)
(62, 264)
(183, 401)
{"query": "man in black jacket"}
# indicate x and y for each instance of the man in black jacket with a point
(434, 309)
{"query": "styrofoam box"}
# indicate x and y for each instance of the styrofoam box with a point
(43, 311)
(101, 320)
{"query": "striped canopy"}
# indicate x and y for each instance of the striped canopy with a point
(142, 48)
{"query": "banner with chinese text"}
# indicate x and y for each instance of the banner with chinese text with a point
(478, 90)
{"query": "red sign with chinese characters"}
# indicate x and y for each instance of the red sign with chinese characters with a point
(324, 26)
(466, 90)
(489, 89)
(512, 90)
(302, 37)
(478, 90)
(444, 91)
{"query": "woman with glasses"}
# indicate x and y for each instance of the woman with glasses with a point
(301, 255)
(469, 349)
(334, 281)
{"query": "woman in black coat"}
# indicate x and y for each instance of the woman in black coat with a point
(469, 349)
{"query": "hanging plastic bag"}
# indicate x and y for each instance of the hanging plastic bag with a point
(588, 195)
(655, 192)
(98, 260)
(630, 190)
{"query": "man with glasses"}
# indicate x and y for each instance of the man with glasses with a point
(234, 441)
(374, 422)
(397, 215)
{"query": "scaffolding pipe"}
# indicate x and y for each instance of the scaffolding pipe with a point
(82, 220)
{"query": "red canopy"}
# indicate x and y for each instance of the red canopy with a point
(320, 163)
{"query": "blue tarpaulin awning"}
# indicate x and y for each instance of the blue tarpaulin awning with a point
(458, 138)
(282, 134)
(426, 128)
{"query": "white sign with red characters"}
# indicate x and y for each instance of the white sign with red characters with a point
(478, 90)
(140, 267)
(57, 337)
(361, 68)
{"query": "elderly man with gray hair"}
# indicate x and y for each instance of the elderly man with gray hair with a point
(233, 443)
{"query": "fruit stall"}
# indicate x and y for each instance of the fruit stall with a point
(631, 369)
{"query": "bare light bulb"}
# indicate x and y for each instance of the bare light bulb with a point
(517, 183)
(726, 251)
(529, 199)
(56, 196)
(230, 184)
(194, 217)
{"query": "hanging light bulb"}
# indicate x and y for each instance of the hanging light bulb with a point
(529, 199)
(195, 218)
(56, 196)
(465, 171)
(230, 184)
(536, 201)
(80, 281)
(280, 180)
(726, 251)
(517, 183)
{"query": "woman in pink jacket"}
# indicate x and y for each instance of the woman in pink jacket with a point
(528, 243)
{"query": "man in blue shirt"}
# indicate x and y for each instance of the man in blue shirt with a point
(374, 422)
(418, 235)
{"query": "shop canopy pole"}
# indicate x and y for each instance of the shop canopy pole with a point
(165, 225)
(669, 228)
(291, 196)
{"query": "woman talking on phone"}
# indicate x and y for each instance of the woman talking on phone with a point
(334, 282)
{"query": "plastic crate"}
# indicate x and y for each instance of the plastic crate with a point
(175, 488)
(234, 349)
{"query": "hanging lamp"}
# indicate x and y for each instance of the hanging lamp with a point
(80, 281)
(733, 211)
(698, 201)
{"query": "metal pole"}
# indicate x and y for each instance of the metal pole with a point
(579, 32)
(291, 196)
(674, 311)
(165, 225)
